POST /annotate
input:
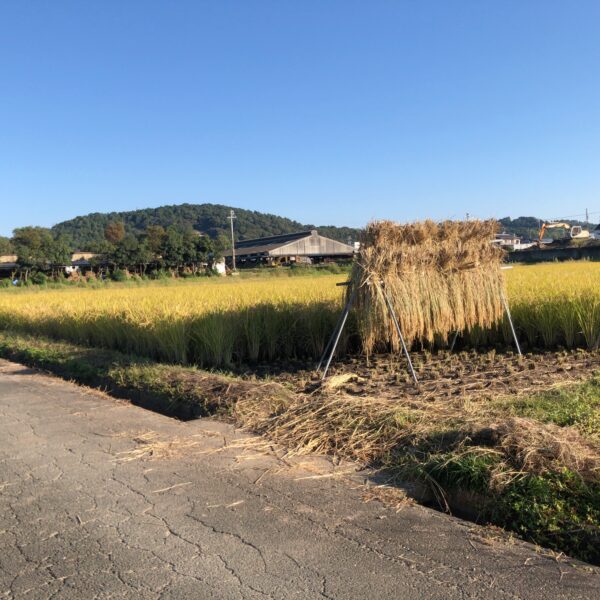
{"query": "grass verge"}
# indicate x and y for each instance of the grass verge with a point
(528, 464)
(182, 392)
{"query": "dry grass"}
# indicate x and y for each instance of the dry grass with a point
(536, 447)
(389, 496)
(151, 446)
(440, 277)
(354, 428)
(374, 431)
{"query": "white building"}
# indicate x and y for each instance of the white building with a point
(507, 240)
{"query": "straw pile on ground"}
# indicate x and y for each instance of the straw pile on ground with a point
(439, 277)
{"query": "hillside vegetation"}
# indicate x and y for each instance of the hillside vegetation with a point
(210, 219)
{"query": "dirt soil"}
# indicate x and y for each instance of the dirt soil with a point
(447, 375)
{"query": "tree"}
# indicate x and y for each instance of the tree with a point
(35, 247)
(58, 252)
(6, 246)
(131, 254)
(155, 235)
(144, 255)
(115, 232)
(173, 249)
(205, 249)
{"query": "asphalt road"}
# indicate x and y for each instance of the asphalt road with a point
(102, 499)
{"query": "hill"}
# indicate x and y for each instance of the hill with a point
(211, 219)
(88, 231)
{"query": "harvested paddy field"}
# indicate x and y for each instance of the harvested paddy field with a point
(444, 375)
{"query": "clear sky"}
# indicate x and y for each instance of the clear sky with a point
(326, 112)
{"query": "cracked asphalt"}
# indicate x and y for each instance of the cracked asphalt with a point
(90, 507)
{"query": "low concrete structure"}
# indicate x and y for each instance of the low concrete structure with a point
(547, 254)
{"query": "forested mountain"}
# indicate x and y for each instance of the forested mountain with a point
(210, 219)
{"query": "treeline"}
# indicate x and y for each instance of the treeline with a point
(41, 250)
(156, 248)
(37, 249)
(209, 219)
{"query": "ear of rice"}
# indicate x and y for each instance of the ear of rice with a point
(440, 278)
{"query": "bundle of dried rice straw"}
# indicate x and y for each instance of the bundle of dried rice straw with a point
(440, 278)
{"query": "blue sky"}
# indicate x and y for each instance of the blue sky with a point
(322, 111)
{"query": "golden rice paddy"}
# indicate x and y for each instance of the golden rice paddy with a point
(223, 322)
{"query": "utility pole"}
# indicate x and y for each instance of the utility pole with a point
(587, 217)
(231, 217)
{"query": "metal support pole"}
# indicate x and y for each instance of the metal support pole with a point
(454, 340)
(404, 348)
(512, 327)
(336, 335)
(331, 338)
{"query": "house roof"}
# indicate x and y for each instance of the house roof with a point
(81, 259)
(8, 261)
(302, 243)
(274, 240)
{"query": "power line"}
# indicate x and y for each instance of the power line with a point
(585, 214)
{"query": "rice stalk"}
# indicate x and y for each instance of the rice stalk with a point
(439, 278)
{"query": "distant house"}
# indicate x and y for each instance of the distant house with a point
(595, 234)
(79, 261)
(82, 260)
(506, 239)
(8, 264)
(302, 247)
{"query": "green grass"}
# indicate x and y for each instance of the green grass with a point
(557, 510)
(560, 510)
(124, 375)
(574, 405)
(165, 279)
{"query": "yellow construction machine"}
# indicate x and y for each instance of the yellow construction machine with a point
(576, 232)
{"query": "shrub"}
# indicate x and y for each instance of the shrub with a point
(39, 278)
(119, 275)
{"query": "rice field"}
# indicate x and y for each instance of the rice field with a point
(216, 323)
(208, 323)
(556, 303)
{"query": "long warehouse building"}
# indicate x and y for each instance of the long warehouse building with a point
(301, 247)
